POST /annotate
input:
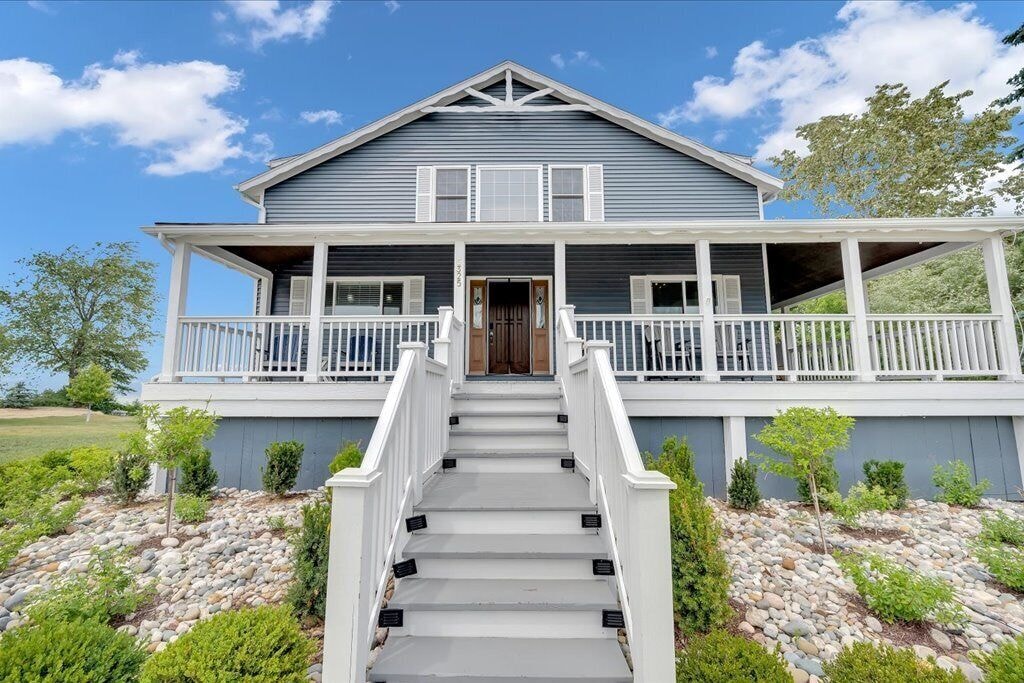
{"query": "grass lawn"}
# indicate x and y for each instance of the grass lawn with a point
(28, 436)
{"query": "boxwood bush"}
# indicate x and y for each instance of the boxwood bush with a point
(1005, 664)
(868, 663)
(197, 475)
(261, 645)
(888, 475)
(284, 458)
(131, 476)
(719, 657)
(743, 491)
(896, 593)
(69, 652)
(308, 593)
(191, 509)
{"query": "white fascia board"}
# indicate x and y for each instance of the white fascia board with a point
(766, 183)
(233, 261)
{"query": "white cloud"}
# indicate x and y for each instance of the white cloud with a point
(327, 117)
(711, 52)
(165, 110)
(720, 136)
(574, 58)
(910, 43)
(41, 6)
(267, 21)
(261, 148)
(392, 6)
(127, 57)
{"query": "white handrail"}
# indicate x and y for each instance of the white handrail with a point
(368, 504)
(634, 503)
(935, 346)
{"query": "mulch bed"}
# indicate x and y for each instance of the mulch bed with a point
(902, 634)
(140, 615)
(875, 534)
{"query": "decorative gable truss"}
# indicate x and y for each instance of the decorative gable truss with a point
(509, 105)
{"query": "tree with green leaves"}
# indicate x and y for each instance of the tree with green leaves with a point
(6, 350)
(89, 387)
(1017, 83)
(805, 441)
(170, 439)
(83, 306)
(18, 396)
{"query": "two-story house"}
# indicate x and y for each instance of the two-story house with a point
(507, 291)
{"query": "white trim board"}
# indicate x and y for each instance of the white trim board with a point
(768, 185)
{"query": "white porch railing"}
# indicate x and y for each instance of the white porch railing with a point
(647, 345)
(368, 505)
(795, 346)
(935, 345)
(633, 502)
(369, 346)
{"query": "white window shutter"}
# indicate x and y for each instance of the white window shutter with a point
(638, 295)
(732, 295)
(424, 194)
(415, 295)
(595, 193)
(299, 295)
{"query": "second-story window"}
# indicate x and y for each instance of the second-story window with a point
(452, 195)
(567, 193)
(509, 194)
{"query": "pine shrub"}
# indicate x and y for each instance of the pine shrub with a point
(69, 652)
(954, 480)
(743, 491)
(720, 657)
(261, 645)
(1005, 664)
(868, 663)
(896, 593)
(888, 475)
(700, 574)
(197, 474)
(130, 477)
(284, 458)
(308, 593)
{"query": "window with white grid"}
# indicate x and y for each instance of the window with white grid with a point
(451, 195)
(567, 194)
(509, 194)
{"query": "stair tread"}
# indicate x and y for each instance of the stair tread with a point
(508, 453)
(506, 546)
(506, 491)
(503, 595)
(469, 412)
(503, 431)
(406, 659)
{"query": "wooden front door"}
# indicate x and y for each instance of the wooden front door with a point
(509, 328)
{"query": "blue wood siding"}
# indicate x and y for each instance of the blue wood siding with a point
(434, 262)
(510, 259)
(705, 436)
(644, 180)
(239, 446)
(597, 276)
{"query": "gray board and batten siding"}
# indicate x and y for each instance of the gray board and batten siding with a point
(376, 181)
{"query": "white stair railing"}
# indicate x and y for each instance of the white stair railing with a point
(368, 504)
(633, 503)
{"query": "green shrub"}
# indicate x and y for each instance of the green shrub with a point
(52, 398)
(1004, 563)
(350, 455)
(22, 481)
(197, 474)
(69, 652)
(888, 475)
(1005, 664)
(43, 516)
(700, 574)
(859, 499)
(262, 645)
(131, 476)
(955, 482)
(743, 491)
(720, 657)
(308, 592)
(282, 469)
(867, 663)
(92, 465)
(56, 459)
(827, 480)
(1002, 528)
(276, 523)
(191, 509)
(896, 593)
(106, 590)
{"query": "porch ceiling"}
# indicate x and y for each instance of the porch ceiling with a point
(273, 257)
(797, 269)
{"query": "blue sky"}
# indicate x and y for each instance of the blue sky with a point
(115, 115)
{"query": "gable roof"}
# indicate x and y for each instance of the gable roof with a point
(286, 167)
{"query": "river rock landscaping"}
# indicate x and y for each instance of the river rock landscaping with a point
(788, 593)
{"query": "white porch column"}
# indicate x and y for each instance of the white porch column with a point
(857, 306)
(735, 433)
(559, 274)
(705, 294)
(314, 348)
(1002, 305)
(459, 281)
(176, 298)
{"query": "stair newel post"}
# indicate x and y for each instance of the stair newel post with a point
(416, 434)
(649, 575)
(594, 349)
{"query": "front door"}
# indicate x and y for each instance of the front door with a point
(509, 328)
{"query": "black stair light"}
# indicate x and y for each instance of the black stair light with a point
(568, 463)
(393, 618)
(403, 569)
(453, 420)
(590, 520)
(563, 419)
(601, 568)
(447, 463)
(613, 618)
(415, 523)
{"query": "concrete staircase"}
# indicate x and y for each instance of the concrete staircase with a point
(505, 586)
